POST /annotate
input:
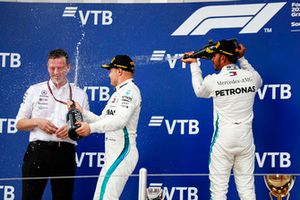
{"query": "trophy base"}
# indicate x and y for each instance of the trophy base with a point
(279, 198)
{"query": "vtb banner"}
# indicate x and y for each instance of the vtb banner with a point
(175, 127)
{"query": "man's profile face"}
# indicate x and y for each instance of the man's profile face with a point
(216, 60)
(113, 75)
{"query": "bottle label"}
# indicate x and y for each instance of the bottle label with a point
(78, 117)
(69, 124)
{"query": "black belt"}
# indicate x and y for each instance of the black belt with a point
(52, 143)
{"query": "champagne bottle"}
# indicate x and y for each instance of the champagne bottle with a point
(73, 116)
(205, 52)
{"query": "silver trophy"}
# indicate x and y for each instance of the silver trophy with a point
(279, 185)
(155, 192)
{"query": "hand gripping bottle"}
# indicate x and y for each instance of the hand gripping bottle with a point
(73, 116)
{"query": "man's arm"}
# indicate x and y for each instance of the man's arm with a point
(87, 115)
(30, 124)
(201, 86)
(245, 65)
(90, 117)
(24, 120)
(127, 103)
(26, 124)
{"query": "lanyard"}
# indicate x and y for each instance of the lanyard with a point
(58, 99)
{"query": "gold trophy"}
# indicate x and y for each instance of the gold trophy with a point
(279, 185)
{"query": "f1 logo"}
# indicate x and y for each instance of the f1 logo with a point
(250, 17)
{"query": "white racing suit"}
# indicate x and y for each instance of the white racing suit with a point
(119, 121)
(232, 146)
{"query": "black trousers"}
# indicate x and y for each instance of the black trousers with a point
(48, 160)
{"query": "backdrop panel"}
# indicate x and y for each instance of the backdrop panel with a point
(154, 35)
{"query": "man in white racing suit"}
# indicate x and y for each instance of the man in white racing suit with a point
(233, 91)
(119, 121)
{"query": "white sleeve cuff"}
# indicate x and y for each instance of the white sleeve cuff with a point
(96, 127)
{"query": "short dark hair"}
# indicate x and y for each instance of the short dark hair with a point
(58, 53)
(232, 59)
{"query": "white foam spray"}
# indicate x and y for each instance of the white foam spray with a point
(77, 56)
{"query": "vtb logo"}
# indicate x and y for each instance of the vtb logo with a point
(177, 192)
(183, 126)
(250, 17)
(104, 15)
(12, 60)
(161, 55)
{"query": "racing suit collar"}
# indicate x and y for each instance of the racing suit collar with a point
(229, 67)
(124, 83)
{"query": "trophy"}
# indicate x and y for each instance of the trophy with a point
(155, 192)
(279, 185)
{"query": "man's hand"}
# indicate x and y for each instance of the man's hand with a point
(62, 132)
(189, 60)
(241, 50)
(46, 126)
(77, 106)
(84, 129)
